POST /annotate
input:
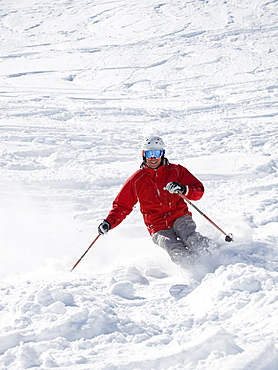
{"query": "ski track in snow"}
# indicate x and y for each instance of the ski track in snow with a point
(82, 83)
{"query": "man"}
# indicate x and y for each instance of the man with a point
(157, 186)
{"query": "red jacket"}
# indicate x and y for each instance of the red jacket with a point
(160, 208)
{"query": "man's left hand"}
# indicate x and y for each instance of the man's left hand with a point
(175, 187)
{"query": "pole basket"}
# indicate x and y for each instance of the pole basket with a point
(229, 238)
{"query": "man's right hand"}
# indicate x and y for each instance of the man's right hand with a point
(104, 227)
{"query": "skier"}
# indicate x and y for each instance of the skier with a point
(156, 186)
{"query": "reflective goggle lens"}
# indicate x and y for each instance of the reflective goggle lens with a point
(153, 153)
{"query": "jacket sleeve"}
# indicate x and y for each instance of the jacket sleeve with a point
(195, 187)
(123, 204)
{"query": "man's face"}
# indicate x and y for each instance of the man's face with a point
(153, 162)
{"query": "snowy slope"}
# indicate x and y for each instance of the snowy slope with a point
(82, 82)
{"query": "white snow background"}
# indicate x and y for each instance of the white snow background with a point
(82, 82)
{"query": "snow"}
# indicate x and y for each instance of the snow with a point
(82, 83)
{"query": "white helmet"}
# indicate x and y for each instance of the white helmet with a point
(153, 143)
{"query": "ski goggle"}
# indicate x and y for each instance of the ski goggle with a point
(153, 153)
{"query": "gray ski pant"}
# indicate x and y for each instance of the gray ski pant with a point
(181, 240)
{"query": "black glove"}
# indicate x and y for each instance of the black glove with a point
(104, 227)
(175, 187)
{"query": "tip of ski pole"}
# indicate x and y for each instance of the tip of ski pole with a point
(229, 238)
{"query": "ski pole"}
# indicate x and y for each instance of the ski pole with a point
(85, 252)
(228, 237)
